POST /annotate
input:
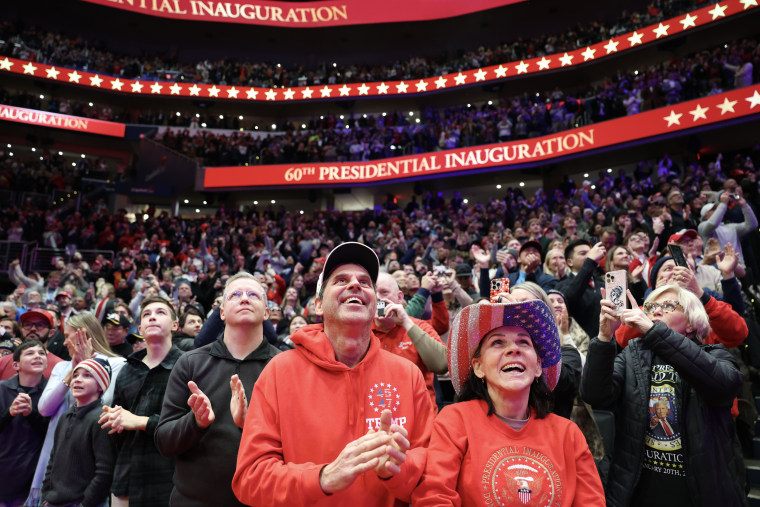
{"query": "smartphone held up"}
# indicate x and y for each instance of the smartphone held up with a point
(616, 288)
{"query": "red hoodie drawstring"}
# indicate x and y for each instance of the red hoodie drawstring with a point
(354, 412)
(351, 400)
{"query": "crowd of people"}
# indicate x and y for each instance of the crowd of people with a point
(352, 137)
(137, 368)
(74, 51)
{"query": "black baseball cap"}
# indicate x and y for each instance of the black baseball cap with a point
(116, 319)
(350, 252)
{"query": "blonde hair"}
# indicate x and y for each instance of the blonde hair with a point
(547, 267)
(534, 289)
(89, 323)
(693, 309)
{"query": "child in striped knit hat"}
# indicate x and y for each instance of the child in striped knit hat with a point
(82, 461)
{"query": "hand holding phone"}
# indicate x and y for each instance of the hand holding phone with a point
(677, 253)
(498, 285)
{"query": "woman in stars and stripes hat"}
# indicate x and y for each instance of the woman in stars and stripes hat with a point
(500, 445)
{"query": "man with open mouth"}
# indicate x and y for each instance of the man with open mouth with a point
(337, 420)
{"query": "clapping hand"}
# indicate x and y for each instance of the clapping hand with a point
(200, 405)
(390, 464)
(727, 265)
(238, 401)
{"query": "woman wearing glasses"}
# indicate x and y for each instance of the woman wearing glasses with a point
(675, 439)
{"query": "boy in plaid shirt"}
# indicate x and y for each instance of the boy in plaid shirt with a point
(143, 477)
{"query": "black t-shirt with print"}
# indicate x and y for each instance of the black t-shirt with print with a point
(663, 473)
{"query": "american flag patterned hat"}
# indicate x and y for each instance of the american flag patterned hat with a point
(475, 321)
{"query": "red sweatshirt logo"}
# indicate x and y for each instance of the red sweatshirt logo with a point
(519, 476)
(383, 396)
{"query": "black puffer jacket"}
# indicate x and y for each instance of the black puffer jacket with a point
(709, 381)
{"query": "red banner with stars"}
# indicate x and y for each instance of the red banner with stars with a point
(680, 117)
(61, 121)
(567, 60)
(318, 14)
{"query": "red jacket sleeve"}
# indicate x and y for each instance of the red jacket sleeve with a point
(282, 285)
(624, 334)
(728, 327)
(440, 318)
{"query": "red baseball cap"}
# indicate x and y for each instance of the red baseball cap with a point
(39, 312)
(684, 233)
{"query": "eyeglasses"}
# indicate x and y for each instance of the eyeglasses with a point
(39, 326)
(238, 294)
(666, 307)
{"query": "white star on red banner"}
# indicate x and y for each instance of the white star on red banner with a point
(662, 30)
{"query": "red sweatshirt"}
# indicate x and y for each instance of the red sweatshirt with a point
(306, 406)
(475, 459)
(397, 341)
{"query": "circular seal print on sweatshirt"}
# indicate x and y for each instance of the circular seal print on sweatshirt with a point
(520, 475)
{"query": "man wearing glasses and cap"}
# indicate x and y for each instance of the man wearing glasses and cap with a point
(36, 324)
(337, 421)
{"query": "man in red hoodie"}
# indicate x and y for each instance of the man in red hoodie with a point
(338, 420)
